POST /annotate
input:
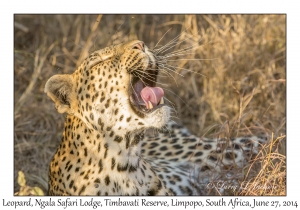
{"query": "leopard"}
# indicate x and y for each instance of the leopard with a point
(112, 103)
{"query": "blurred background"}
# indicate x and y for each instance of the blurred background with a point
(229, 80)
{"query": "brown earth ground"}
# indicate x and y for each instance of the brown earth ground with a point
(243, 58)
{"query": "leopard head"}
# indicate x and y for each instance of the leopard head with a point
(114, 90)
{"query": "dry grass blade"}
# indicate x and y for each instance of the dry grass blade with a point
(244, 101)
(271, 178)
(21, 27)
(88, 43)
(38, 65)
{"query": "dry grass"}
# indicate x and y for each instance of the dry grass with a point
(243, 58)
(271, 176)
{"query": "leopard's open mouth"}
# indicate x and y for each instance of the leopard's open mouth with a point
(144, 95)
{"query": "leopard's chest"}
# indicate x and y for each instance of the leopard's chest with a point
(84, 175)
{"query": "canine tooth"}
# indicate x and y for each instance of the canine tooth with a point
(162, 101)
(150, 105)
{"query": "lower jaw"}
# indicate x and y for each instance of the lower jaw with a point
(143, 113)
(138, 112)
(159, 117)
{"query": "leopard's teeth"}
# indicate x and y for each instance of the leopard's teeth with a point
(162, 101)
(150, 105)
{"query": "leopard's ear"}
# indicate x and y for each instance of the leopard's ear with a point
(60, 89)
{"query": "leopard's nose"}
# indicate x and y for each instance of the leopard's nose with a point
(139, 46)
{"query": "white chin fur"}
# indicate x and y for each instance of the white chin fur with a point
(159, 117)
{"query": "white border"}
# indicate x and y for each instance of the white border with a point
(236, 6)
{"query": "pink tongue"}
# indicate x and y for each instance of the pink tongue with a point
(152, 94)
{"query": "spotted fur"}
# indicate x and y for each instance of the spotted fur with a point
(105, 149)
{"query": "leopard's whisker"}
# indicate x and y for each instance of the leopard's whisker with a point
(142, 76)
(189, 48)
(174, 40)
(167, 67)
(161, 38)
(185, 70)
(176, 96)
(176, 43)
